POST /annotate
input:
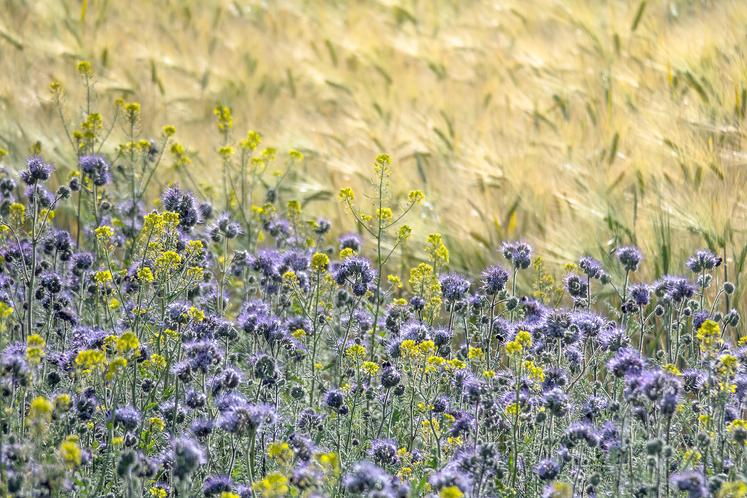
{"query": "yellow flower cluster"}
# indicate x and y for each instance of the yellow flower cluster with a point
(168, 261)
(709, 335)
(319, 262)
(522, 341)
(410, 349)
(104, 233)
(35, 345)
(535, 372)
(280, 451)
(437, 250)
(424, 282)
(274, 485)
(103, 277)
(370, 368)
(346, 194)
(70, 452)
(355, 352)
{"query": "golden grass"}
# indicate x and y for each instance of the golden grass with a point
(575, 124)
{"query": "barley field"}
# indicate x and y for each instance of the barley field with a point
(576, 125)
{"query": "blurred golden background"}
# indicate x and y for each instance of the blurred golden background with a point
(576, 125)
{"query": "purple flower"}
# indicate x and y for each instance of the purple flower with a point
(592, 268)
(640, 294)
(629, 257)
(182, 203)
(626, 362)
(692, 482)
(350, 241)
(454, 287)
(97, 168)
(576, 286)
(357, 272)
(581, 432)
(384, 451)
(518, 253)
(494, 280)
(547, 469)
(703, 260)
(216, 484)
(128, 417)
(36, 171)
(366, 477)
(187, 457)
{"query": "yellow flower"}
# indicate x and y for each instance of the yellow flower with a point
(383, 160)
(35, 345)
(384, 214)
(727, 365)
(299, 334)
(280, 451)
(168, 261)
(252, 140)
(437, 250)
(145, 275)
(456, 364)
(90, 359)
(157, 423)
(197, 315)
(274, 485)
(524, 338)
(104, 233)
(117, 365)
(709, 335)
(513, 348)
(319, 262)
(408, 349)
(40, 410)
(226, 151)
(70, 452)
(329, 462)
(427, 347)
(415, 196)
(85, 69)
(5, 310)
(195, 272)
(127, 342)
(228, 494)
(103, 277)
(488, 374)
(692, 456)
(512, 409)
(62, 403)
(560, 489)
(346, 194)
(370, 368)
(17, 210)
(734, 489)
(672, 369)
(356, 351)
(404, 232)
(296, 155)
(395, 281)
(535, 372)
(157, 492)
(450, 492)
(475, 353)
(224, 120)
